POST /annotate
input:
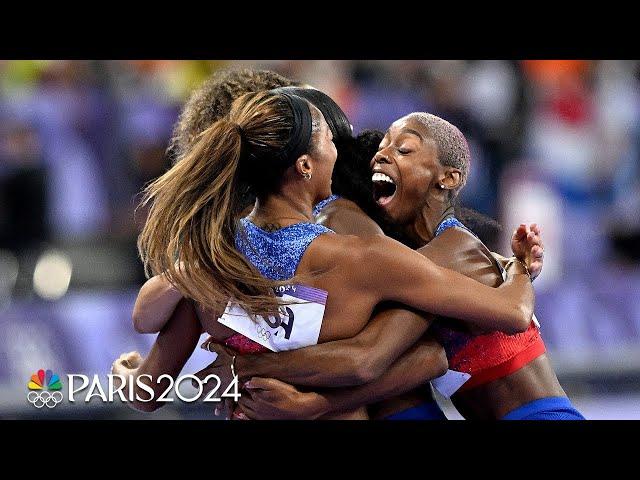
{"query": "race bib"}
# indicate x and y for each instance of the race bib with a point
(450, 382)
(300, 326)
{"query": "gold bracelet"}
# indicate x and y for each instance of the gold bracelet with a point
(526, 269)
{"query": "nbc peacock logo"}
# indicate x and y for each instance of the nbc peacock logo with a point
(44, 389)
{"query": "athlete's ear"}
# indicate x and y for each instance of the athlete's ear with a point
(304, 165)
(451, 179)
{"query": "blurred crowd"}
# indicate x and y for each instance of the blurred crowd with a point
(78, 139)
(557, 142)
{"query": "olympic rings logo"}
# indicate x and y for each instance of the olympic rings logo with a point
(263, 333)
(40, 399)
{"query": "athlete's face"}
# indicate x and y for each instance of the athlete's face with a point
(323, 154)
(404, 170)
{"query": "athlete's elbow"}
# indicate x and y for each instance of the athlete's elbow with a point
(520, 320)
(371, 370)
(435, 357)
(364, 374)
(365, 367)
(139, 323)
(439, 361)
(371, 363)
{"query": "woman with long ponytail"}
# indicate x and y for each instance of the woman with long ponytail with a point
(280, 146)
(194, 207)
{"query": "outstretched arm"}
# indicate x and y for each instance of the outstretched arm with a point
(406, 276)
(268, 398)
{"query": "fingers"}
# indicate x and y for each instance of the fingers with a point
(535, 244)
(540, 242)
(211, 369)
(247, 402)
(537, 257)
(534, 231)
(212, 346)
(249, 411)
(218, 370)
(533, 239)
(130, 360)
(208, 385)
(535, 269)
(126, 356)
(240, 415)
(531, 231)
(520, 232)
(260, 383)
(255, 406)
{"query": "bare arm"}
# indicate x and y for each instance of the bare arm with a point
(154, 305)
(346, 362)
(351, 361)
(397, 273)
(169, 353)
(272, 399)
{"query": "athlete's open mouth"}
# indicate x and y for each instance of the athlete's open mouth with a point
(384, 188)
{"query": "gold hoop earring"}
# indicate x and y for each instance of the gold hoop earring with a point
(307, 176)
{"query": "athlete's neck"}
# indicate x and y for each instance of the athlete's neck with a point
(423, 228)
(283, 208)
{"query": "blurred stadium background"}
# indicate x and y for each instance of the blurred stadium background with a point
(556, 142)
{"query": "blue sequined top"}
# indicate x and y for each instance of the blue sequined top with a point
(320, 205)
(450, 222)
(276, 254)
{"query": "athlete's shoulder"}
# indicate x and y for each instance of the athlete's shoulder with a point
(345, 217)
(459, 236)
(335, 243)
(459, 249)
(343, 250)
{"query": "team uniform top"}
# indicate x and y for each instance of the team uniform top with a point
(276, 255)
